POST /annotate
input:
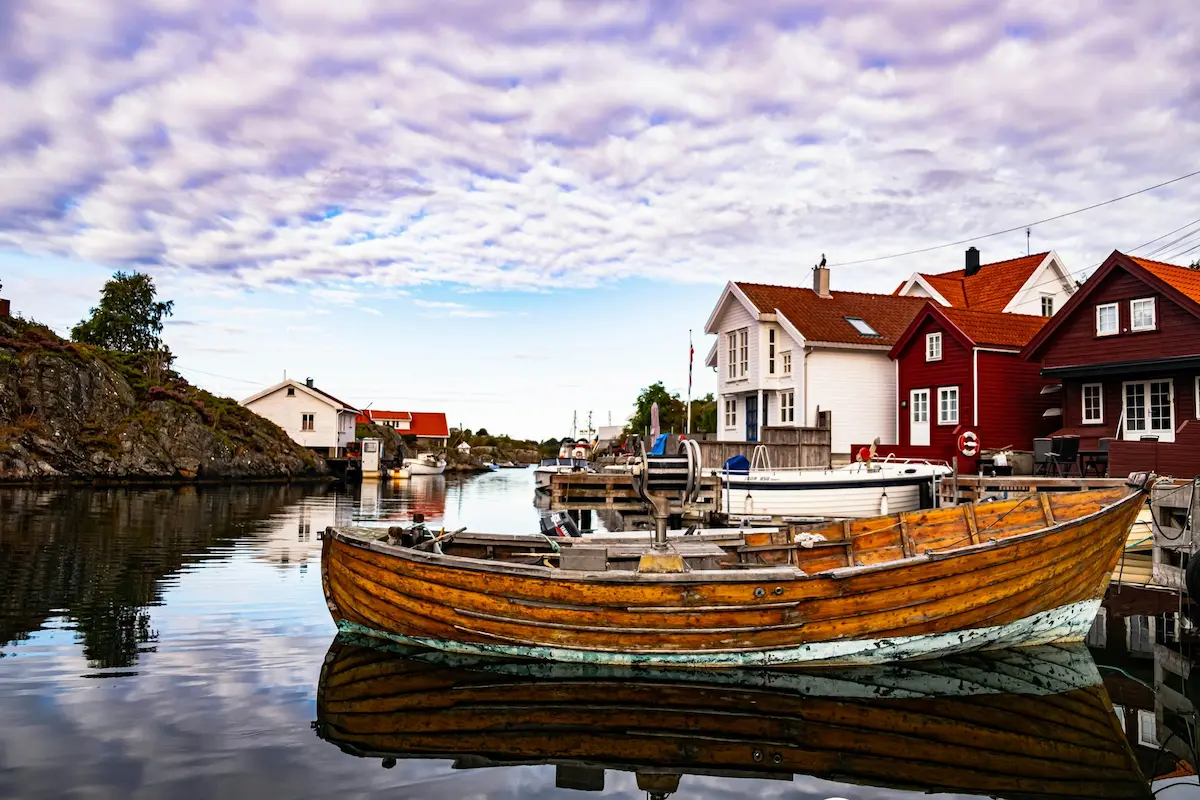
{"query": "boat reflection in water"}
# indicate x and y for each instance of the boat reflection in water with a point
(1031, 723)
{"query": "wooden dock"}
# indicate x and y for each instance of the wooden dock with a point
(971, 488)
(613, 491)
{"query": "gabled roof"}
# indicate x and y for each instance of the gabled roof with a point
(369, 415)
(990, 289)
(304, 387)
(976, 328)
(1178, 283)
(824, 319)
(430, 424)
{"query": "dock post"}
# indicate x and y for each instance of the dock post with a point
(954, 466)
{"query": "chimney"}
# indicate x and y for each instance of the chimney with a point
(308, 382)
(821, 281)
(5, 308)
(972, 261)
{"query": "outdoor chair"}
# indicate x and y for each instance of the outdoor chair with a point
(1041, 456)
(1064, 454)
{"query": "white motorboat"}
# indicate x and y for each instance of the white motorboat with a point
(557, 466)
(399, 473)
(864, 489)
(426, 464)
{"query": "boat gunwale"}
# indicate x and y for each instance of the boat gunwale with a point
(784, 572)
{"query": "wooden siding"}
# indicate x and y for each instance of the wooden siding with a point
(859, 387)
(1011, 404)
(1075, 342)
(954, 369)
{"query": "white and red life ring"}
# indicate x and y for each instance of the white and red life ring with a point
(968, 444)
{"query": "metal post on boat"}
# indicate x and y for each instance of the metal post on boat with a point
(954, 488)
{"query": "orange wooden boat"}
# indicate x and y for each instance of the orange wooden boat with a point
(920, 584)
(1034, 723)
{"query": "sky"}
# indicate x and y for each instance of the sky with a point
(514, 212)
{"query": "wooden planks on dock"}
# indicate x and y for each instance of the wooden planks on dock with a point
(613, 491)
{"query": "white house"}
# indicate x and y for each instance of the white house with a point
(1038, 285)
(313, 418)
(784, 353)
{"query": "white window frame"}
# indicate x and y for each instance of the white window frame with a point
(786, 357)
(1163, 434)
(1083, 390)
(932, 340)
(291, 391)
(1147, 728)
(730, 413)
(1133, 326)
(733, 355)
(1116, 309)
(1196, 406)
(947, 391)
(787, 406)
(1120, 712)
(771, 351)
(744, 352)
(308, 422)
(1047, 299)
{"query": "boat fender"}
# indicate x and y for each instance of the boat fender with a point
(883, 504)
(968, 444)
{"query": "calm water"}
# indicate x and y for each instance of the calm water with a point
(171, 643)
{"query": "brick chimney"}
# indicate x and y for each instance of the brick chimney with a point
(972, 262)
(821, 281)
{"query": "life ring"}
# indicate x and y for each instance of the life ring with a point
(968, 444)
(864, 454)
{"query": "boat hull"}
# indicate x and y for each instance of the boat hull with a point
(1035, 723)
(416, 468)
(853, 502)
(1039, 585)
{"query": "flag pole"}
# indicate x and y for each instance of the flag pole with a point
(691, 354)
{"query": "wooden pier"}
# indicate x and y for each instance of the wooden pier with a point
(613, 491)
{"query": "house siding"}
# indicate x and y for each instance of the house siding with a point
(954, 369)
(1011, 403)
(859, 387)
(736, 317)
(287, 412)
(1045, 280)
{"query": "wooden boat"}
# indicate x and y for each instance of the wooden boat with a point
(926, 584)
(1029, 723)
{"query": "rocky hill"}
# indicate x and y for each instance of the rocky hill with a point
(70, 411)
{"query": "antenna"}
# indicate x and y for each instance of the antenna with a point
(1027, 241)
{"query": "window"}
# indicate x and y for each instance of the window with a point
(920, 406)
(1120, 712)
(933, 347)
(1149, 410)
(861, 326)
(743, 352)
(1093, 403)
(731, 413)
(771, 352)
(1106, 319)
(1147, 728)
(786, 356)
(307, 422)
(1141, 315)
(291, 392)
(948, 405)
(787, 406)
(733, 355)
(1047, 305)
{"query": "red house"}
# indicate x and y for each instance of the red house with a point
(1126, 351)
(427, 425)
(960, 371)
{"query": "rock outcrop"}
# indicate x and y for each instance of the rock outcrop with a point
(70, 411)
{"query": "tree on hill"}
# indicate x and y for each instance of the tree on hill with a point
(129, 318)
(672, 413)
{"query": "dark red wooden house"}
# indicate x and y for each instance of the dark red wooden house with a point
(1126, 351)
(960, 371)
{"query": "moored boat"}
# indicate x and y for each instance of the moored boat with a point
(1029, 723)
(563, 465)
(426, 464)
(924, 584)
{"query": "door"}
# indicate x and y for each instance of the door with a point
(752, 418)
(1149, 408)
(918, 420)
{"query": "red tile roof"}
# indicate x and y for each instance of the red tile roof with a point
(994, 328)
(823, 319)
(429, 424)
(1185, 279)
(990, 289)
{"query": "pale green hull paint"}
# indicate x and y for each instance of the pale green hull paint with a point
(1068, 623)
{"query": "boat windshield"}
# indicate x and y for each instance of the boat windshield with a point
(577, 463)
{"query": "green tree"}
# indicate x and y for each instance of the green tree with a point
(482, 432)
(672, 413)
(704, 414)
(129, 318)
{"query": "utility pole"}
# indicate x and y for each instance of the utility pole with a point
(691, 356)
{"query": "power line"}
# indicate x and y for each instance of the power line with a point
(1168, 233)
(1019, 227)
(1184, 246)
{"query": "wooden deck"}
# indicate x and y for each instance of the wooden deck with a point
(613, 491)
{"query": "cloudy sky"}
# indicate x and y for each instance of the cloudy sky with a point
(514, 210)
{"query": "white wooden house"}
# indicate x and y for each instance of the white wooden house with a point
(1037, 285)
(784, 353)
(313, 418)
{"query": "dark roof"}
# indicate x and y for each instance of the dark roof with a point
(328, 396)
(824, 319)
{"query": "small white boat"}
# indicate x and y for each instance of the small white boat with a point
(398, 473)
(557, 466)
(864, 489)
(425, 464)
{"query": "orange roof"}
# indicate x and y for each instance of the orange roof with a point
(994, 328)
(824, 319)
(371, 415)
(430, 424)
(1185, 279)
(990, 289)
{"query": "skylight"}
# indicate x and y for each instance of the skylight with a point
(861, 326)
